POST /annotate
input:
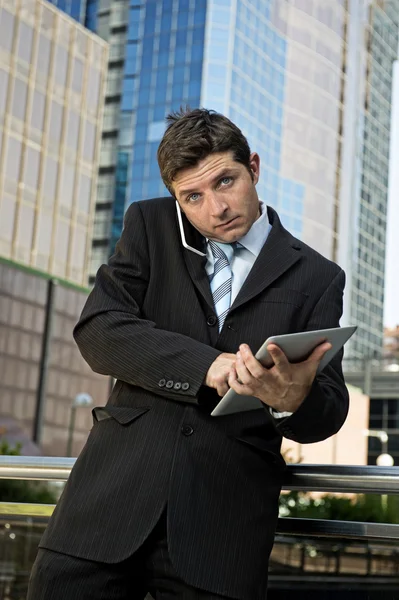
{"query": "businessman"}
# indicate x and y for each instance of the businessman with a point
(165, 498)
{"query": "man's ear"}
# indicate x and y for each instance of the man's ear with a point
(254, 164)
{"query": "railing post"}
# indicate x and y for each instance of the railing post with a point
(303, 558)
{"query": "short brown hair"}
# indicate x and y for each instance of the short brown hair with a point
(191, 135)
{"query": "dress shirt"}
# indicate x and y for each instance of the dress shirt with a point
(243, 260)
(245, 256)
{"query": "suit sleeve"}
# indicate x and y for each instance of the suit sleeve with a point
(324, 410)
(116, 340)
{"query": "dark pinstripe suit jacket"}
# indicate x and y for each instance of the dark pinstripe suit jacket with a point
(149, 322)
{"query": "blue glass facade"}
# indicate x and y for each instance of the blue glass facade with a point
(256, 103)
(163, 69)
(91, 14)
(170, 68)
(74, 8)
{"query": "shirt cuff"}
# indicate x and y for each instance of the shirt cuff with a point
(279, 415)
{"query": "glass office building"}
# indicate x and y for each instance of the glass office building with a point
(367, 293)
(83, 11)
(285, 72)
(51, 98)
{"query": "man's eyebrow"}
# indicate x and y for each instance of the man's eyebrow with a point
(225, 173)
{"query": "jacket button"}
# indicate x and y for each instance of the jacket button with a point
(162, 382)
(169, 384)
(185, 386)
(187, 430)
(177, 385)
(212, 320)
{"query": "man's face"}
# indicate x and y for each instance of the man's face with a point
(218, 196)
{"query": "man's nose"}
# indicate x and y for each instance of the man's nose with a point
(217, 204)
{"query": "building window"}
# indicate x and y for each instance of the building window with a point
(6, 30)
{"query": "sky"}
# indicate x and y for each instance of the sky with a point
(391, 309)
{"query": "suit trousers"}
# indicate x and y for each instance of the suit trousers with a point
(57, 576)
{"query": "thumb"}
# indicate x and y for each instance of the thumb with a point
(319, 352)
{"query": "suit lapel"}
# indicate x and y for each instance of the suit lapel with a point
(278, 254)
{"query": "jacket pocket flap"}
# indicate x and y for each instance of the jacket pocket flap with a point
(284, 295)
(123, 414)
(277, 459)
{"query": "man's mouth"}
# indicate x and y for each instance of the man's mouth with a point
(227, 222)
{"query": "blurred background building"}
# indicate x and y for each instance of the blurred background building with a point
(41, 369)
(52, 78)
(51, 98)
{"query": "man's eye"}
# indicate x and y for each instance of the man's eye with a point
(225, 180)
(193, 197)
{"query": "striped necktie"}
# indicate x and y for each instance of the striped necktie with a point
(221, 279)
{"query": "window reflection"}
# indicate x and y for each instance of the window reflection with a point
(79, 248)
(45, 228)
(25, 42)
(37, 114)
(7, 23)
(61, 65)
(43, 56)
(89, 142)
(7, 216)
(61, 243)
(3, 91)
(84, 193)
(93, 90)
(77, 75)
(18, 105)
(55, 122)
(13, 159)
(31, 174)
(66, 191)
(25, 226)
(50, 178)
(47, 19)
(73, 130)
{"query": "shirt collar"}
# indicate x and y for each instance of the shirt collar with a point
(257, 235)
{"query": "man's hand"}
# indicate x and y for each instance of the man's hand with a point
(284, 386)
(219, 372)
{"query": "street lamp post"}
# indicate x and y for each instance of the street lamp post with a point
(383, 460)
(79, 400)
(380, 434)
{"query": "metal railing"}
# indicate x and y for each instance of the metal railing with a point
(379, 365)
(320, 478)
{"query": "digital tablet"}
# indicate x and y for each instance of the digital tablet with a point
(297, 347)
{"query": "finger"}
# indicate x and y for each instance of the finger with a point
(319, 352)
(221, 385)
(254, 367)
(238, 387)
(243, 374)
(279, 358)
(222, 389)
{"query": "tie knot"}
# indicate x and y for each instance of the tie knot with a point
(222, 251)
